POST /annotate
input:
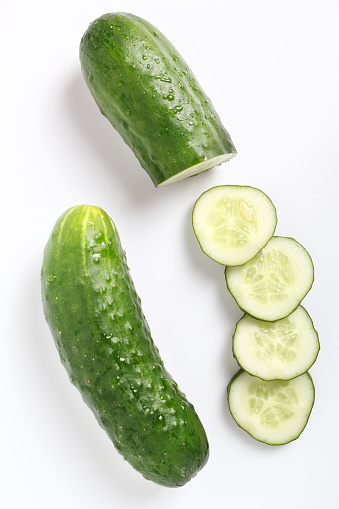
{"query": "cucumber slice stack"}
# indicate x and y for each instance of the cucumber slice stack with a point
(275, 343)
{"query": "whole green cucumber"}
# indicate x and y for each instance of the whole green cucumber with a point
(146, 90)
(104, 342)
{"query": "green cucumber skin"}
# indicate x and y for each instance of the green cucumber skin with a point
(146, 90)
(105, 344)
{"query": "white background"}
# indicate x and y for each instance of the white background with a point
(271, 69)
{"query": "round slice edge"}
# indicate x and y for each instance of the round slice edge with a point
(274, 412)
(273, 283)
(279, 350)
(232, 223)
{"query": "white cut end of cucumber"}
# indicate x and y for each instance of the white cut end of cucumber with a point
(279, 350)
(232, 223)
(274, 412)
(198, 168)
(273, 283)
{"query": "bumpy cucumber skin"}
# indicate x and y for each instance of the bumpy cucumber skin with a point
(150, 96)
(105, 344)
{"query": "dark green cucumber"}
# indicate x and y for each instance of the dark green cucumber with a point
(146, 90)
(105, 344)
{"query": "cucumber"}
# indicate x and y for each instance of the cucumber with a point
(105, 344)
(274, 412)
(273, 283)
(232, 223)
(280, 350)
(150, 96)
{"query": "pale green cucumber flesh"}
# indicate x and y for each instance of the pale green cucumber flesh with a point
(232, 223)
(281, 350)
(273, 283)
(198, 168)
(274, 412)
(105, 344)
(145, 89)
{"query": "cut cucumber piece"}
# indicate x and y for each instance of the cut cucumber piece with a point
(282, 350)
(145, 89)
(273, 283)
(274, 412)
(232, 223)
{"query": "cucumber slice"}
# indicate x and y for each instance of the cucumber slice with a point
(274, 412)
(232, 223)
(280, 350)
(273, 283)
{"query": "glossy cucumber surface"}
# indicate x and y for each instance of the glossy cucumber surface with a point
(151, 97)
(105, 344)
